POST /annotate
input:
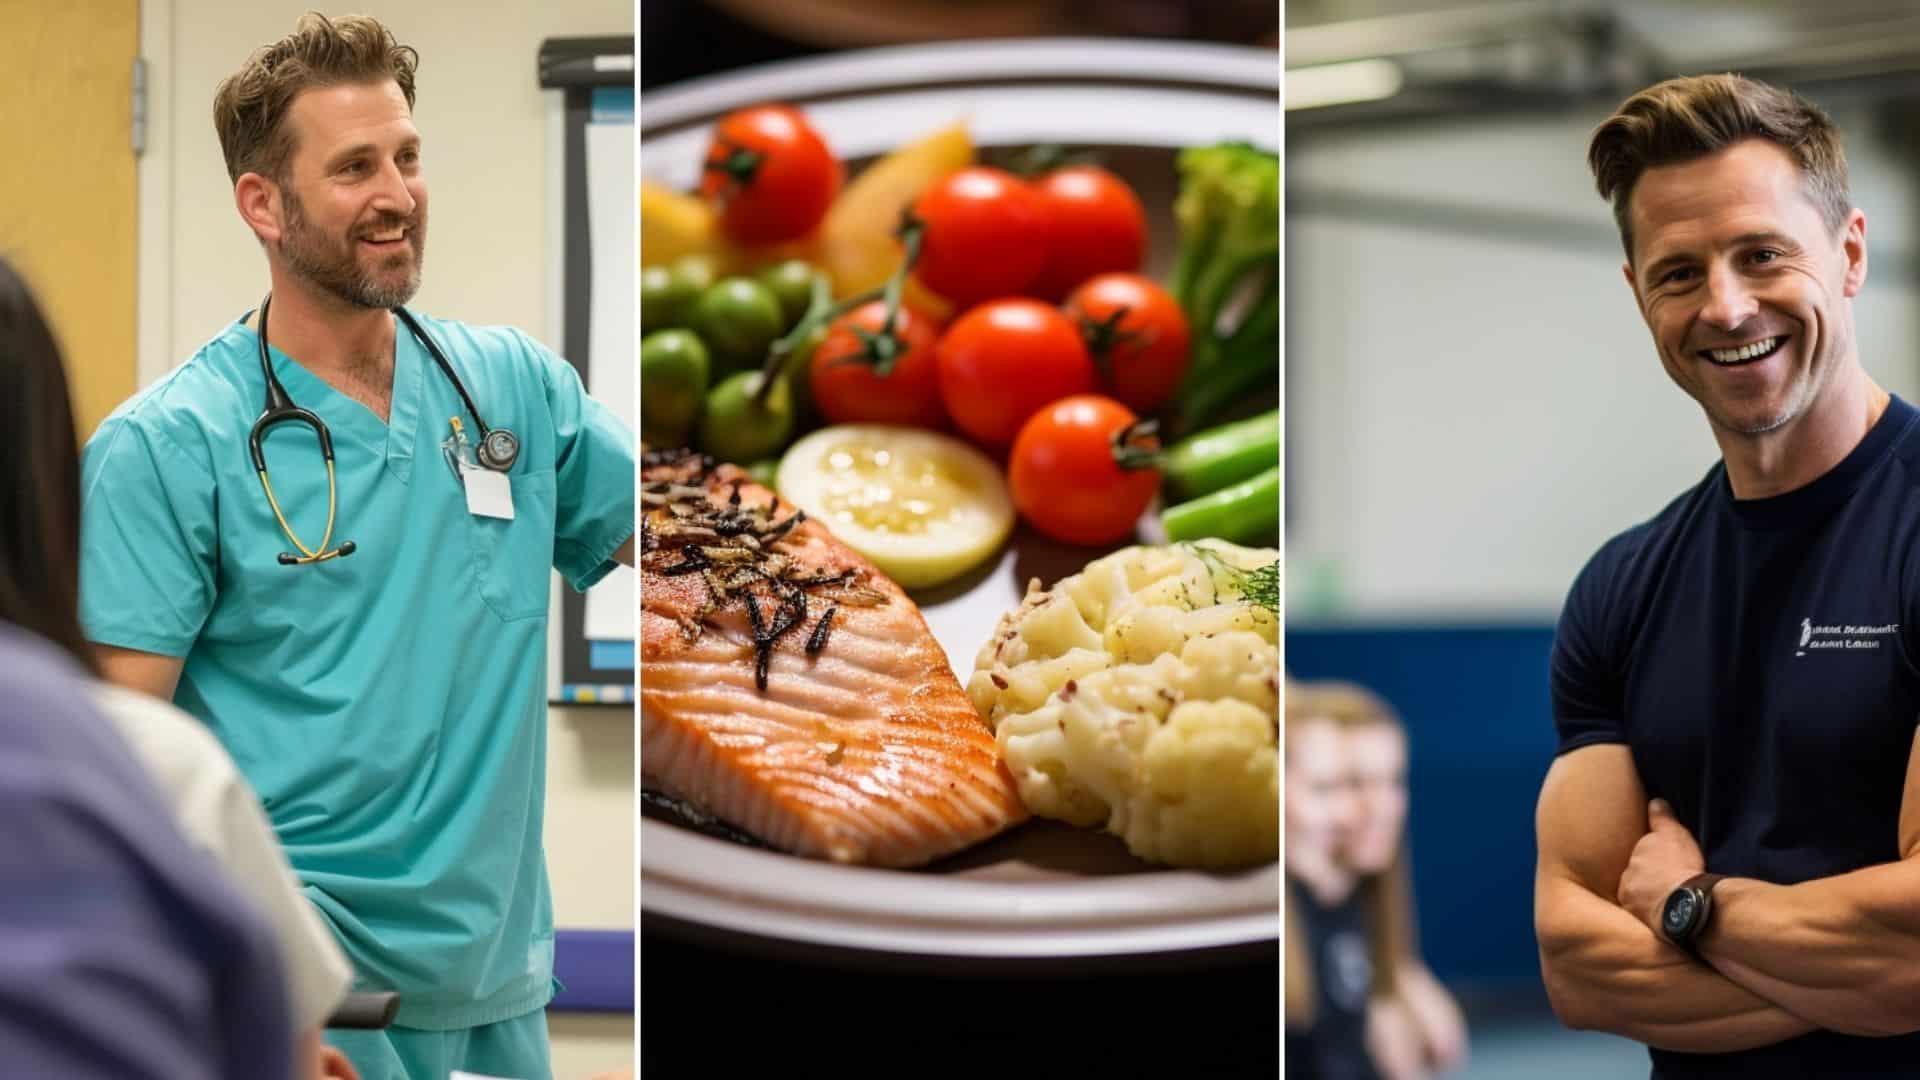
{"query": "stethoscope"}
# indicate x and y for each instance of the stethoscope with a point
(498, 448)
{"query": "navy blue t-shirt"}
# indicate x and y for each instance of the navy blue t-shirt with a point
(1758, 657)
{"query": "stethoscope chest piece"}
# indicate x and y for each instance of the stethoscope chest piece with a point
(499, 450)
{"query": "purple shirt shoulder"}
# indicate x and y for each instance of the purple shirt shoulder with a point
(123, 952)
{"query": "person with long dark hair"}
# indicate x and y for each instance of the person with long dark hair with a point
(209, 802)
(39, 479)
(127, 954)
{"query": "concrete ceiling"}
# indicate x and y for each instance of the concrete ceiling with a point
(1571, 47)
(1686, 33)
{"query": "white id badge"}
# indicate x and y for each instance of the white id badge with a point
(489, 494)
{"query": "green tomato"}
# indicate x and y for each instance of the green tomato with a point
(695, 270)
(739, 429)
(791, 283)
(673, 383)
(738, 318)
(665, 298)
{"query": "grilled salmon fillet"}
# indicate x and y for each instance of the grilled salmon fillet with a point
(790, 689)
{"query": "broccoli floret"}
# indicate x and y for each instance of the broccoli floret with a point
(1228, 212)
(1229, 217)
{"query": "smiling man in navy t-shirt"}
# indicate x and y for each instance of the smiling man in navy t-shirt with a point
(1728, 835)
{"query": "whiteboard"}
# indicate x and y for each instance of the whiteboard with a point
(593, 229)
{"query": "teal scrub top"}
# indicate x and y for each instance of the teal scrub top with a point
(389, 707)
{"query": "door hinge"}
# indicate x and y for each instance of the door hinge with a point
(139, 106)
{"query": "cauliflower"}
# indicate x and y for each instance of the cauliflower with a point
(1142, 694)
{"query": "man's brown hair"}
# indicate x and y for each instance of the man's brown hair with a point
(250, 107)
(1684, 119)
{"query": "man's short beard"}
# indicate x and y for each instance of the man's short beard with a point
(313, 255)
(1808, 391)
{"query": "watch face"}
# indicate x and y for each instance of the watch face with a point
(1680, 911)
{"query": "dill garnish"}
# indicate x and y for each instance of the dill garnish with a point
(1259, 586)
(1262, 587)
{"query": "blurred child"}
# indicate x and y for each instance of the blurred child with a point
(1415, 1029)
(1354, 974)
(1331, 953)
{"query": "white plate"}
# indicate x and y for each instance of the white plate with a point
(1043, 891)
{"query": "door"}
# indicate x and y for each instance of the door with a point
(68, 193)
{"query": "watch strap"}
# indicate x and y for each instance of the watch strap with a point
(1703, 882)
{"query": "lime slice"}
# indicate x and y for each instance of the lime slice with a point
(923, 506)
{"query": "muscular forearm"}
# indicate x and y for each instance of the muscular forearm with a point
(1606, 971)
(1842, 951)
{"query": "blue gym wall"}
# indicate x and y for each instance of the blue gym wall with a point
(1475, 702)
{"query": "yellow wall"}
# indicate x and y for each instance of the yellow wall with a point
(483, 119)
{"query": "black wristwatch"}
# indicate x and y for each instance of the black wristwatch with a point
(1684, 916)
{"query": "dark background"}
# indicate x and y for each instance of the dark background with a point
(710, 1008)
(683, 39)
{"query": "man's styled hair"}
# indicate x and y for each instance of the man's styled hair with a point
(1684, 119)
(250, 107)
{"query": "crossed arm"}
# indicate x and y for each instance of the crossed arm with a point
(1841, 953)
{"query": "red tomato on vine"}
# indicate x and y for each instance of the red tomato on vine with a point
(1095, 225)
(1003, 361)
(1137, 335)
(849, 388)
(983, 236)
(769, 174)
(1080, 470)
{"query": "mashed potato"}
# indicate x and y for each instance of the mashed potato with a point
(1142, 694)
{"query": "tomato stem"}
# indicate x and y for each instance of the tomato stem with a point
(1103, 336)
(1044, 158)
(821, 309)
(738, 163)
(882, 349)
(1135, 447)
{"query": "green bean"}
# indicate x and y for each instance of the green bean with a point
(1246, 513)
(1204, 463)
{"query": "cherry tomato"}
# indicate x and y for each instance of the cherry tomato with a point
(1004, 360)
(1065, 479)
(984, 236)
(1095, 225)
(769, 174)
(849, 391)
(1137, 336)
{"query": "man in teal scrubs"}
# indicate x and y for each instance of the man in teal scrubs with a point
(389, 705)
